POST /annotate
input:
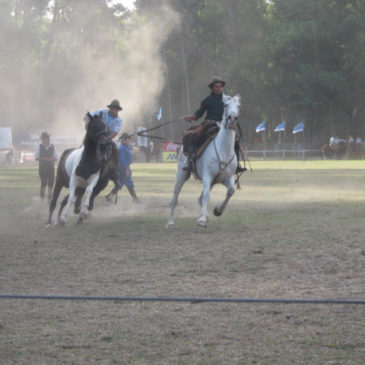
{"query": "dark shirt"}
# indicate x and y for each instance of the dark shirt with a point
(214, 107)
(48, 152)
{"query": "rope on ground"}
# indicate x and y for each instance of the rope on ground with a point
(181, 299)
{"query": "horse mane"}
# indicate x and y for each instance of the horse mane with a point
(237, 98)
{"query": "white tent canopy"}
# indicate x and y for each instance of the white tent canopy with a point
(6, 140)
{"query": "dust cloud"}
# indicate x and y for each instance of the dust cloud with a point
(81, 64)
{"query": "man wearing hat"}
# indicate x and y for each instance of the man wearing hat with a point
(111, 118)
(46, 155)
(125, 172)
(213, 106)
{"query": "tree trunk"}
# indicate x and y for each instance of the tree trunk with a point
(186, 75)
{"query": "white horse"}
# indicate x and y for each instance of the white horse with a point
(217, 164)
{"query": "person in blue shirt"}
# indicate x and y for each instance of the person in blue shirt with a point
(125, 172)
(111, 118)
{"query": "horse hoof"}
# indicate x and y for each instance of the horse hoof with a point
(202, 224)
(48, 225)
(79, 221)
(170, 225)
(77, 210)
(109, 198)
(217, 212)
(61, 223)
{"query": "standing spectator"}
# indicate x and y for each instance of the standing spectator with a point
(46, 155)
(351, 148)
(125, 172)
(9, 156)
(359, 147)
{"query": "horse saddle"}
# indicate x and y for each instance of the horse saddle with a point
(202, 136)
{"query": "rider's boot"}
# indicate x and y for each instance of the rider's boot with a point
(190, 162)
(239, 168)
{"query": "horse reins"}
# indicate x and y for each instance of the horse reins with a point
(143, 133)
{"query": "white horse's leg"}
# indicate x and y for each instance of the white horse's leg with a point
(181, 177)
(202, 221)
(88, 191)
(229, 183)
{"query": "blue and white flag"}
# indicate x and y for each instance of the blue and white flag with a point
(261, 127)
(159, 114)
(298, 128)
(280, 127)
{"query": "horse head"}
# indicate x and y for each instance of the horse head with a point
(232, 111)
(98, 134)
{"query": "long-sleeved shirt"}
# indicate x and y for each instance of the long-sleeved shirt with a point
(114, 124)
(214, 107)
(125, 157)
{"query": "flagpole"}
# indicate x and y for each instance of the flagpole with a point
(295, 142)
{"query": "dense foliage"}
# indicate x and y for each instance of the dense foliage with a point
(290, 60)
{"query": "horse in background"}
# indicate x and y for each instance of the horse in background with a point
(80, 169)
(337, 150)
(217, 164)
(327, 152)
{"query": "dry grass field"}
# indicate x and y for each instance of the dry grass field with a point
(295, 230)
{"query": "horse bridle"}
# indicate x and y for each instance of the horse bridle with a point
(104, 131)
(229, 119)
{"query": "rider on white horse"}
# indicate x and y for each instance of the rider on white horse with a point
(213, 106)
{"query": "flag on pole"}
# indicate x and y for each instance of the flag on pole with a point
(159, 114)
(298, 128)
(261, 127)
(280, 127)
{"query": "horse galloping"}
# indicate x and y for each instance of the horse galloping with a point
(79, 170)
(217, 164)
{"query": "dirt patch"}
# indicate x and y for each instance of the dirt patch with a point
(262, 247)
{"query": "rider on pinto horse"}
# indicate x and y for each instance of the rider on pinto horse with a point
(113, 123)
(213, 106)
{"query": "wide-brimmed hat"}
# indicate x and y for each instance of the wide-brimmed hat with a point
(45, 135)
(124, 136)
(215, 80)
(114, 105)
